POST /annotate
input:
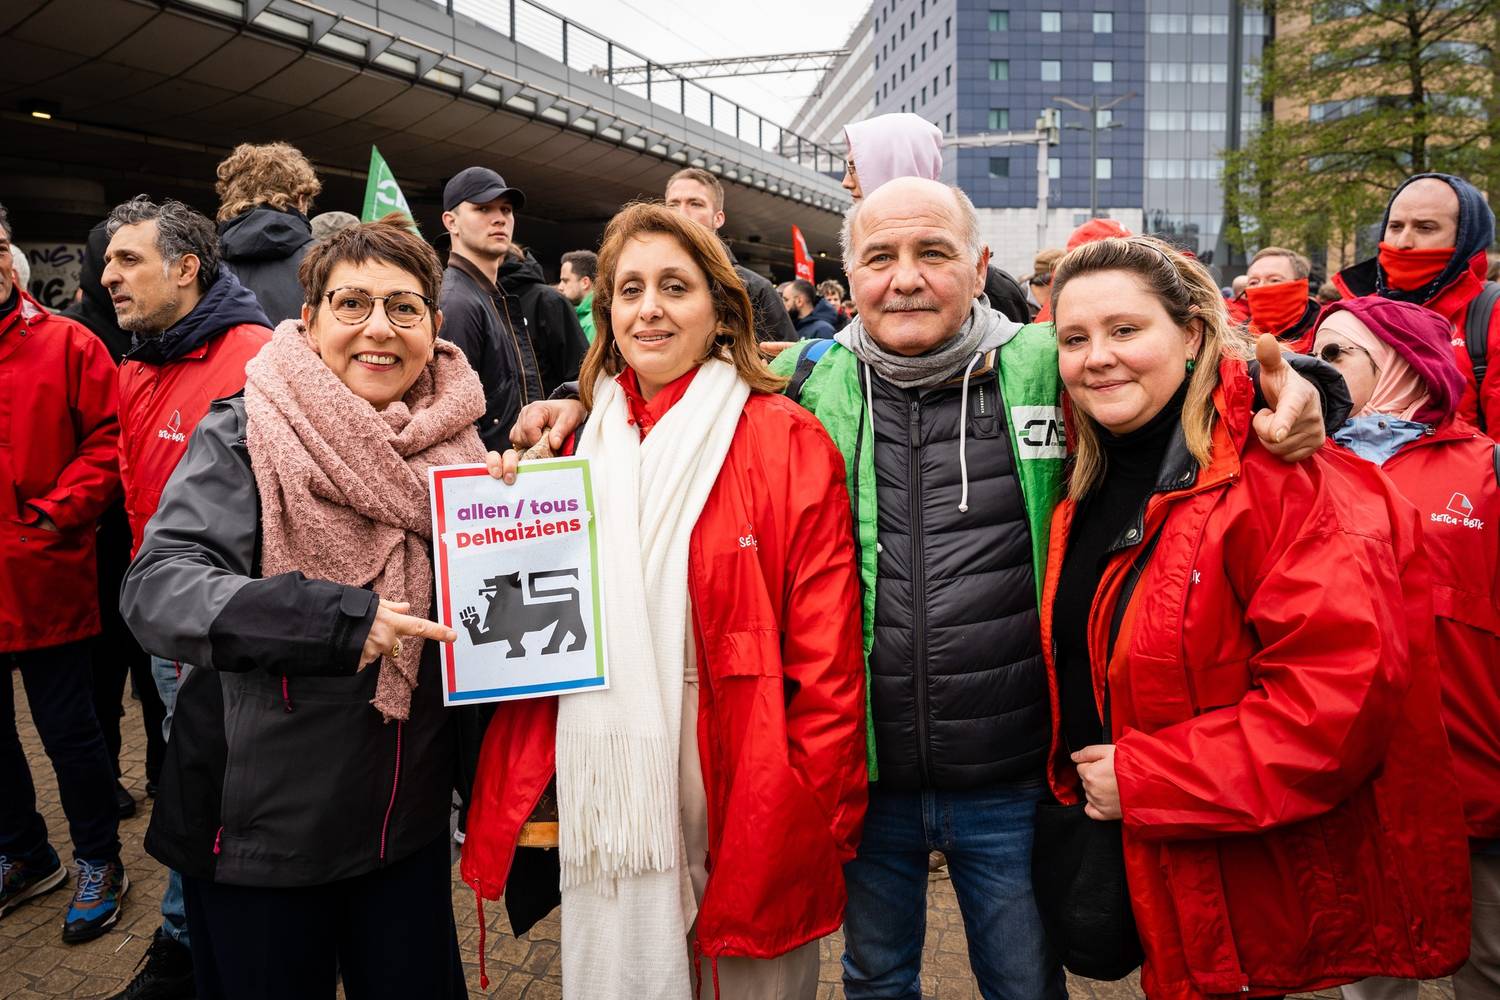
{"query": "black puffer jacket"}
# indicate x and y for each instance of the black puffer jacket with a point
(488, 326)
(772, 322)
(279, 771)
(550, 319)
(957, 683)
(264, 247)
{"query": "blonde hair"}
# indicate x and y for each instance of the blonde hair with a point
(275, 174)
(708, 180)
(734, 324)
(1188, 293)
(1301, 266)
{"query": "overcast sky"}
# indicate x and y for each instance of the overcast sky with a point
(664, 31)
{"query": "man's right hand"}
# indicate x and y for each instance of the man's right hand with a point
(555, 418)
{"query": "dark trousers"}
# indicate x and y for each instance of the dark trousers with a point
(388, 933)
(117, 655)
(59, 691)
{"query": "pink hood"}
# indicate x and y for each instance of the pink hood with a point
(891, 146)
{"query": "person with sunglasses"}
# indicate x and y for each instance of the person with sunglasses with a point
(1405, 387)
(306, 789)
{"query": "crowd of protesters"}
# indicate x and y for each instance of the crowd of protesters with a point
(1165, 616)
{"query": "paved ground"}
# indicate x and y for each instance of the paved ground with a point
(36, 965)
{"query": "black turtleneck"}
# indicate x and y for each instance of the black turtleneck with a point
(1132, 462)
(9, 305)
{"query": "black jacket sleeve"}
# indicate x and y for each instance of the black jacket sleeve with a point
(1332, 390)
(464, 323)
(191, 594)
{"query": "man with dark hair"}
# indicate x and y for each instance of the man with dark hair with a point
(521, 342)
(196, 327)
(810, 313)
(698, 195)
(576, 282)
(58, 475)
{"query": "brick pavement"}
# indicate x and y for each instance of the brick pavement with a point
(36, 965)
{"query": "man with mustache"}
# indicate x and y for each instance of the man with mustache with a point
(1436, 230)
(487, 323)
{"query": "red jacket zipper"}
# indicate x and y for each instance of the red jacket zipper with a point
(395, 784)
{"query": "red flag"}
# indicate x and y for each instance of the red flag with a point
(802, 259)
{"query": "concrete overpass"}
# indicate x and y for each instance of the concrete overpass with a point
(148, 96)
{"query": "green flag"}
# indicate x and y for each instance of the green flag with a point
(382, 193)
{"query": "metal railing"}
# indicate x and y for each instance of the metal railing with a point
(580, 48)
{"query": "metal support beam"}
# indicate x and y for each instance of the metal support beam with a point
(718, 69)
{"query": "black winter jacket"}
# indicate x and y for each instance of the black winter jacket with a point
(489, 327)
(958, 688)
(264, 247)
(550, 318)
(772, 322)
(279, 772)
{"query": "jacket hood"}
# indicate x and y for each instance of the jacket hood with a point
(95, 310)
(264, 233)
(1421, 338)
(823, 310)
(1476, 231)
(516, 272)
(890, 146)
(227, 303)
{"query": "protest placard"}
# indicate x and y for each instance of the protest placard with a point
(518, 579)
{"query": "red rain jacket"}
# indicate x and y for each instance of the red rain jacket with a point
(1452, 303)
(1291, 817)
(781, 713)
(57, 457)
(1450, 476)
(161, 404)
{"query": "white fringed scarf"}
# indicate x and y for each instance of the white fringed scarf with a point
(620, 834)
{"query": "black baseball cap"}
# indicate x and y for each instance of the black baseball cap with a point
(479, 185)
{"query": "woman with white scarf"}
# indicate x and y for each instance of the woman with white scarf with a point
(708, 799)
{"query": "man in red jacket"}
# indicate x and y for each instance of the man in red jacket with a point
(57, 475)
(195, 327)
(1436, 230)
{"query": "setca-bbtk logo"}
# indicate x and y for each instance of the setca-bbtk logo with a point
(1460, 512)
(173, 430)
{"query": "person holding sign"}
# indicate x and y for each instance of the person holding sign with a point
(306, 789)
(733, 727)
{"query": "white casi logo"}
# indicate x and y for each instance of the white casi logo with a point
(173, 430)
(1039, 431)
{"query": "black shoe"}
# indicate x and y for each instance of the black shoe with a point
(150, 789)
(165, 972)
(24, 877)
(124, 801)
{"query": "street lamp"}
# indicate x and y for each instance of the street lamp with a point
(1092, 109)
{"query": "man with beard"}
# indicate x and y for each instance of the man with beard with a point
(195, 327)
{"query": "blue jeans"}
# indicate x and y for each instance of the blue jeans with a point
(173, 910)
(986, 836)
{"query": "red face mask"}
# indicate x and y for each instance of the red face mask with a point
(1275, 309)
(1410, 270)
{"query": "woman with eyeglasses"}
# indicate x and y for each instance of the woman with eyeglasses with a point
(1398, 362)
(306, 790)
(1241, 664)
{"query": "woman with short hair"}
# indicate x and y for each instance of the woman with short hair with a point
(307, 784)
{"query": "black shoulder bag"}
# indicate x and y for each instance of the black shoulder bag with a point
(1078, 864)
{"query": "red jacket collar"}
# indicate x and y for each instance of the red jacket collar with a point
(646, 414)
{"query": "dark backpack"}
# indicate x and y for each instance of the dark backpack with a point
(1477, 333)
(808, 355)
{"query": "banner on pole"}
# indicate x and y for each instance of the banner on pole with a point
(802, 260)
(518, 579)
(382, 193)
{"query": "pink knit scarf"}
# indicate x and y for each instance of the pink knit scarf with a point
(343, 486)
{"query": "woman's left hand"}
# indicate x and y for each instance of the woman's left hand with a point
(1096, 769)
(503, 464)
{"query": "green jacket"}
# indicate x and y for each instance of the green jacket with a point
(586, 316)
(1030, 392)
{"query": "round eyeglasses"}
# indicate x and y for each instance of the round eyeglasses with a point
(354, 305)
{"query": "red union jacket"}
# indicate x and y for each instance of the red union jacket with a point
(1450, 476)
(1291, 817)
(781, 727)
(161, 403)
(58, 436)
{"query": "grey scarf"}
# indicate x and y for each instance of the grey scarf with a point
(983, 331)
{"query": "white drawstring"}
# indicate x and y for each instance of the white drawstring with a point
(963, 443)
